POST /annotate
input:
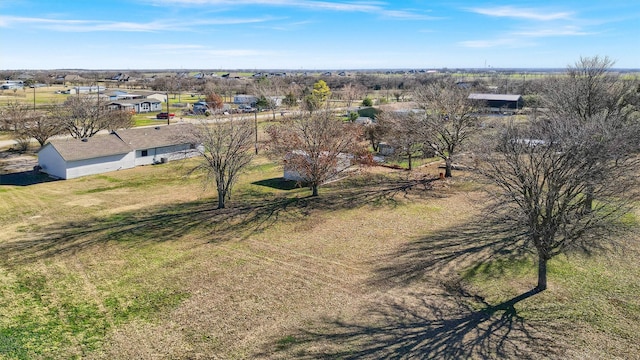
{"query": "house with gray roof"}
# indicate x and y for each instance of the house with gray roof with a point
(69, 158)
(136, 105)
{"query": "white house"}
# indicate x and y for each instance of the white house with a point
(70, 158)
(86, 89)
(137, 105)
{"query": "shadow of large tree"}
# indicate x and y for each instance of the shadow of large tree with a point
(440, 255)
(423, 328)
(426, 312)
(171, 222)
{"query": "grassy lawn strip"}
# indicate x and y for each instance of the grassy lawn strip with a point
(140, 264)
(599, 293)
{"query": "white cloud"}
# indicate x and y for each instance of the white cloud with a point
(563, 31)
(373, 7)
(116, 26)
(172, 46)
(501, 42)
(522, 13)
(80, 25)
(237, 53)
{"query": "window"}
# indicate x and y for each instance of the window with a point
(144, 152)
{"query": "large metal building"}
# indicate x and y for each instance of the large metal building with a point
(499, 102)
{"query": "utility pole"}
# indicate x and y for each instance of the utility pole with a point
(255, 118)
(98, 98)
(168, 117)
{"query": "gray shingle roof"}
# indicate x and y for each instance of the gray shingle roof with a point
(94, 147)
(159, 136)
(123, 141)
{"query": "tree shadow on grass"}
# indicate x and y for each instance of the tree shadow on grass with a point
(421, 328)
(202, 218)
(428, 313)
(152, 225)
(278, 183)
(446, 252)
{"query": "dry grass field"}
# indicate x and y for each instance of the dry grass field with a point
(139, 264)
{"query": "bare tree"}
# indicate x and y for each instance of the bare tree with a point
(269, 90)
(374, 133)
(226, 149)
(43, 126)
(542, 172)
(25, 124)
(118, 119)
(588, 90)
(404, 131)
(352, 92)
(315, 145)
(450, 118)
(15, 116)
(584, 147)
(82, 116)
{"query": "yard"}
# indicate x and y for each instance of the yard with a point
(139, 264)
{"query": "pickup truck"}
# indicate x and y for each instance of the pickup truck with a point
(164, 115)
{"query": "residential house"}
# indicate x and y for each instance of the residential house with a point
(137, 105)
(84, 90)
(69, 158)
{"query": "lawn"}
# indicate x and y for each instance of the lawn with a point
(140, 264)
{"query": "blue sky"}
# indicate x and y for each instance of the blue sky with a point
(314, 34)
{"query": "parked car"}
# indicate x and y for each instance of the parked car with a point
(164, 115)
